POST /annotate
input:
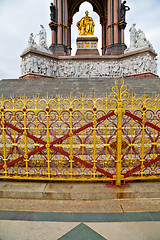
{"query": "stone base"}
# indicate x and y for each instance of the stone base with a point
(59, 50)
(89, 87)
(86, 64)
(144, 75)
(116, 49)
(87, 52)
(87, 46)
(33, 76)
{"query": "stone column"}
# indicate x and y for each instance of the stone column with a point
(53, 37)
(69, 34)
(112, 33)
(104, 33)
(103, 42)
(59, 20)
(108, 30)
(116, 40)
(54, 33)
(119, 30)
(66, 23)
(122, 36)
(60, 35)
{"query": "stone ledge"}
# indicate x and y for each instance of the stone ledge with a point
(77, 191)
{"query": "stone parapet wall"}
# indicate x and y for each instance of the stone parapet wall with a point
(89, 87)
(139, 62)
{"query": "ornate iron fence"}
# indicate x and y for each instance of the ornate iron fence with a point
(114, 138)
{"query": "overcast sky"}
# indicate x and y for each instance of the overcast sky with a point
(18, 18)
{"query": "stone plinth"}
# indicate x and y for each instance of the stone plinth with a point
(116, 49)
(36, 64)
(87, 45)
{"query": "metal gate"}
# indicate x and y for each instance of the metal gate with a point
(114, 138)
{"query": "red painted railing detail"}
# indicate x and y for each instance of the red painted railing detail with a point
(129, 114)
(61, 151)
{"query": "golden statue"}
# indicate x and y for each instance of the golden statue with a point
(86, 25)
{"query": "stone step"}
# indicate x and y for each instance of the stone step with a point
(81, 206)
(77, 190)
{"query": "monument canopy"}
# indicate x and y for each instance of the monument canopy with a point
(98, 6)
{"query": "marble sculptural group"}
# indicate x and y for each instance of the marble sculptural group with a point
(138, 39)
(53, 68)
(42, 45)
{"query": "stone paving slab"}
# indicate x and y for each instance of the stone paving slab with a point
(112, 226)
(60, 205)
(79, 217)
(90, 206)
(25, 230)
(21, 190)
(77, 190)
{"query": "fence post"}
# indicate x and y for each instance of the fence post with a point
(48, 137)
(94, 141)
(25, 139)
(71, 140)
(4, 140)
(119, 142)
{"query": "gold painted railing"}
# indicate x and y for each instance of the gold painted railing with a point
(114, 138)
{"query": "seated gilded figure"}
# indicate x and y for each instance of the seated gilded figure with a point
(86, 25)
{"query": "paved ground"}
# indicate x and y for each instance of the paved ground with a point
(128, 218)
(25, 230)
(26, 225)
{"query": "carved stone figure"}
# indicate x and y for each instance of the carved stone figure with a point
(31, 42)
(86, 25)
(42, 38)
(49, 68)
(23, 67)
(32, 64)
(130, 66)
(35, 63)
(54, 68)
(138, 39)
(141, 39)
(28, 65)
(133, 36)
(123, 11)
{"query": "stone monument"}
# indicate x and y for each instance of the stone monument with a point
(86, 42)
(138, 60)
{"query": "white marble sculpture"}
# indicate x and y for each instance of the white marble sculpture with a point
(42, 45)
(138, 39)
(43, 38)
(31, 42)
(45, 66)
